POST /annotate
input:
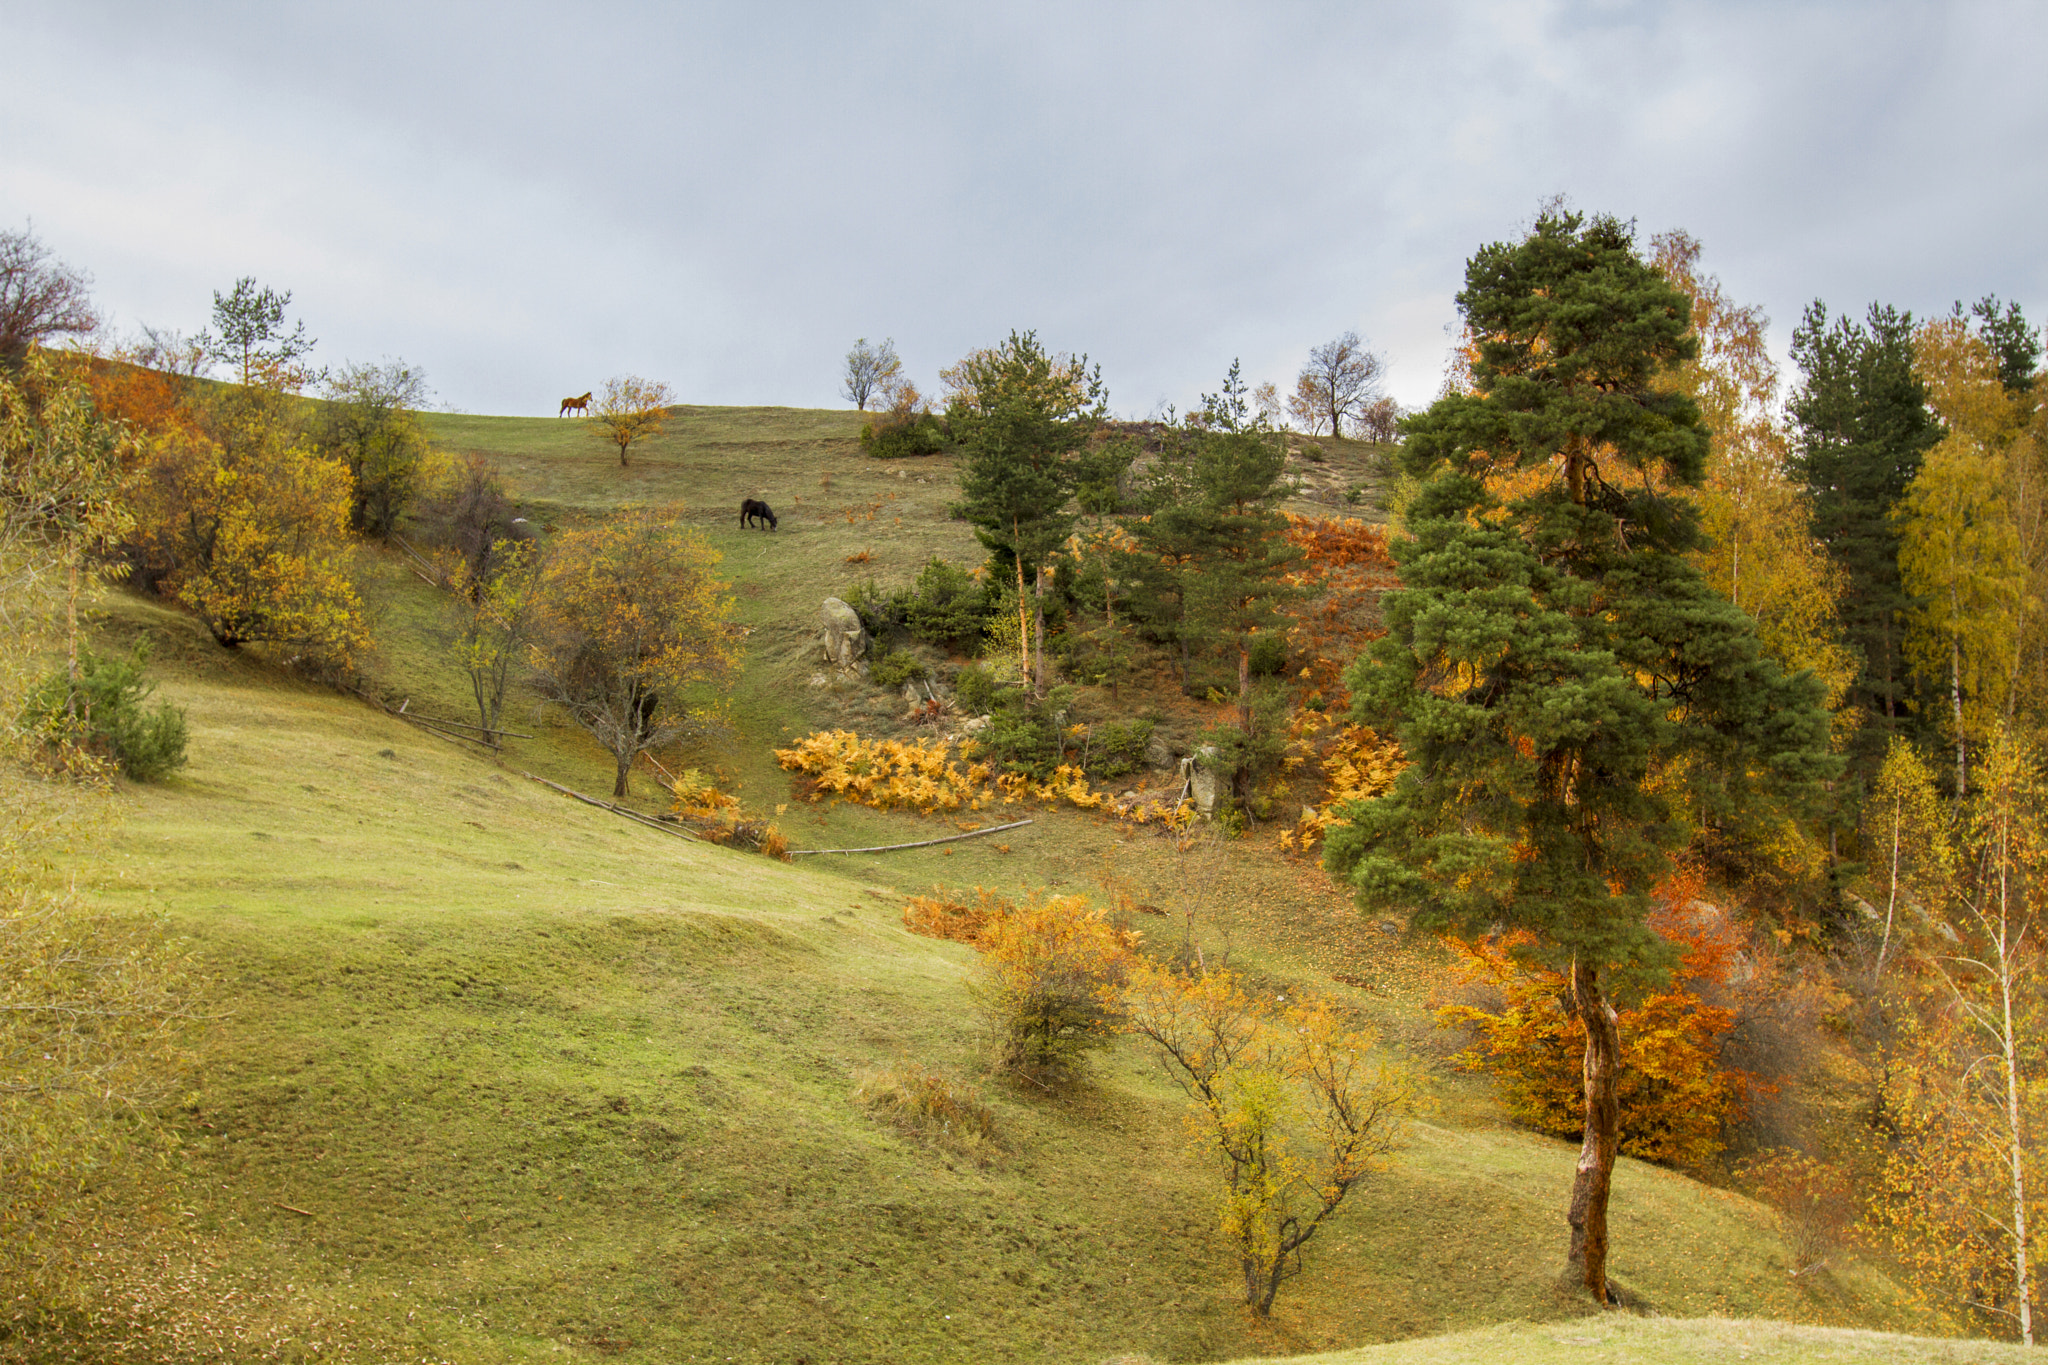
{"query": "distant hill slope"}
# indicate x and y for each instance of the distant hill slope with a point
(500, 1077)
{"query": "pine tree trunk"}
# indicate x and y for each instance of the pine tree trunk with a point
(1244, 689)
(1891, 698)
(1038, 629)
(1595, 1178)
(1023, 617)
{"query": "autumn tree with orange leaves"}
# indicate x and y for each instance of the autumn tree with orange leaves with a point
(633, 631)
(242, 520)
(1677, 1094)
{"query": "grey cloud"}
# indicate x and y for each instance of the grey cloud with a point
(523, 199)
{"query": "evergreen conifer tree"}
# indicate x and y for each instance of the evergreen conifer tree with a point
(1157, 571)
(1211, 556)
(1029, 417)
(1244, 554)
(1863, 426)
(1570, 693)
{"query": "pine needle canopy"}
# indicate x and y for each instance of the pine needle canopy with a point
(1570, 329)
(1576, 700)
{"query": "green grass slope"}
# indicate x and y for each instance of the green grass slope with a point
(498, 1077)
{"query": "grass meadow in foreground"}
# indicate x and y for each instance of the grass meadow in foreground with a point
(494, 1076)
(1626, 1340)
(499, 1076)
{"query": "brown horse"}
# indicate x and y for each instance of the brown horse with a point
(570, 405)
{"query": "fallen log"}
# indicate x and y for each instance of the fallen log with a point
(922, 843)
(635, 816)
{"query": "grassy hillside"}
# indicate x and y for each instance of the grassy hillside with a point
(500, 1077)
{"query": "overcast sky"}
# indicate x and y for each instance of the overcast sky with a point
(525, 199)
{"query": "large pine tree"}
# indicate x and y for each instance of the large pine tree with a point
(1573, 697)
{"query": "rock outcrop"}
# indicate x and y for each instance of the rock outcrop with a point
(844, 638)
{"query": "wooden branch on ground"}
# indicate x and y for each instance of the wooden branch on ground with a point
(463, 725)
(922, 843)
(432, 727)
(633, 815)
(288, 1208)
(668, 779)
(418, 559)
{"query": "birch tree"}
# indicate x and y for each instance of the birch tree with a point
(1759, 549)
(1959, 1198)
(1960, 553)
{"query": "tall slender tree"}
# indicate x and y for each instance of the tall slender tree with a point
(1759, 549)
(1960, 554)
(1023, 416)
(1242, 569)
(1571, 692)
(1862, 427)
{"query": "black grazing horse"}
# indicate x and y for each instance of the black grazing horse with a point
(753, 509)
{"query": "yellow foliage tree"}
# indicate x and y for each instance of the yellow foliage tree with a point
(1960, 1200)
(633, 627)
(248, 526)
(1960, 553)
(631, 409)
(1909, 834)
(1050, 982)
(1285, 1096)
(497, 606)
(63, 473)
(2027, 503)
(1761, 552)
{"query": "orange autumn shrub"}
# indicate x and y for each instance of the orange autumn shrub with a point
(941, 916)
(1050, 983)
(717, 816)
(1677, 1096)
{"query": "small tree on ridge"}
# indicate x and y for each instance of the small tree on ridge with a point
(870, 371)
(248, 333)
(631, 409)
(1338, 385)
